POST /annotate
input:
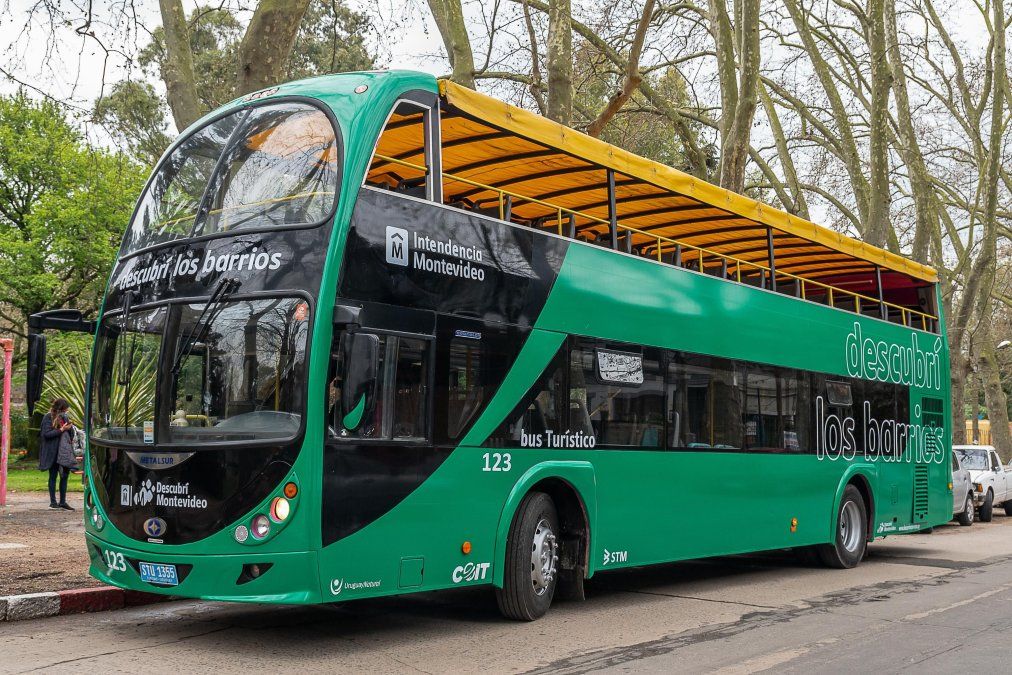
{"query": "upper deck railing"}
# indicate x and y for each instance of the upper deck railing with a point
(684, 254)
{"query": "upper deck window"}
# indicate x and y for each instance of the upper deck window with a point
(168, 208)
(272, 166)
(282, 171)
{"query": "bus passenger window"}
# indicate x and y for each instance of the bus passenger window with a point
(617, 397)
(408, 398)
(393, 404)
(771, 414)
(704, 403)
(466, 389)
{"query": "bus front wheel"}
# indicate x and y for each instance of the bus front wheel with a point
(851, 540)
(532, 558)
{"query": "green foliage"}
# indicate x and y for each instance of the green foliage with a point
(68, 378)
(135, 116)
(19, 429)
(63, 208)
(215, 35)
(331, 39)
(25, 476)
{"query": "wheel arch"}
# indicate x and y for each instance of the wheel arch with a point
(573, 488)
(862, 477)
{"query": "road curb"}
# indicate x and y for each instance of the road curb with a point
(74, 601)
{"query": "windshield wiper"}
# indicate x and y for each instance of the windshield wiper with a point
(225, 288)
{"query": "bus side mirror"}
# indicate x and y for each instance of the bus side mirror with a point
(36, 369)
(361, 366)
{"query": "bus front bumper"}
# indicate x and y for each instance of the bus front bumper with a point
(283, 578)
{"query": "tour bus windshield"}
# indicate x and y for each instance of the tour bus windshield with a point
(266, 167)
(233, 371)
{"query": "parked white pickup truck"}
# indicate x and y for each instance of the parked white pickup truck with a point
(992, 481)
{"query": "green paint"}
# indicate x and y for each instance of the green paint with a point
(352, 419)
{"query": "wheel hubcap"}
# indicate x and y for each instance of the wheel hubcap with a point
(969, 509)
(850, 527)
(544, 557)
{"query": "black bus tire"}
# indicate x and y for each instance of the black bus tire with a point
(966, 517)
(987, 508)
(851, 539)
(534, 529)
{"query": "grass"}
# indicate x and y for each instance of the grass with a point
(24, 476)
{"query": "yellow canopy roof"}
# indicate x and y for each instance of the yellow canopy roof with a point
(496, 144)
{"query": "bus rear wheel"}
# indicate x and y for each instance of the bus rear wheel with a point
(530, 573)
(851, 540)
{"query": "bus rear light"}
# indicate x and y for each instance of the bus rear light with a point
(261, 526)
(280, 508)
(241, 534)
(291, 489)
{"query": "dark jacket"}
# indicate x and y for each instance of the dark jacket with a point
(49, 443)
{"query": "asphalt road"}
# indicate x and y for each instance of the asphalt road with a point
(931, 603)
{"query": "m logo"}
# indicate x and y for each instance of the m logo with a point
(154, 527)
(397, 246)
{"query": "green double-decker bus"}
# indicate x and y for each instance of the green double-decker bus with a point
(375, 333)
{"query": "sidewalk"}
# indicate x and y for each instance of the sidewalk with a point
(44, 563)
(42, 549)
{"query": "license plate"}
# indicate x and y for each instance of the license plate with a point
(156, 573)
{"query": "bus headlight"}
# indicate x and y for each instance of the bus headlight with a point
(97, 520)
(261, 526)
(280, 509)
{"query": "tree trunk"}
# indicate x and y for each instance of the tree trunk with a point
(267, 43)
(738, 69)
(177, 67)
(958, 371)
(824, 72)
(449, 18)
(876, 231)
(994, 395)
(974, 437)
(922, 189)
(560, 61)
(798, 205)
(632, 77)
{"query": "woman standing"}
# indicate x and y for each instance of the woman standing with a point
(55, 428)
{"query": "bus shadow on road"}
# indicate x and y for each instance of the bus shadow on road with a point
(411, 617)
(478, 606)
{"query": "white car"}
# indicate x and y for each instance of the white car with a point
(962, 492)
(992, 482)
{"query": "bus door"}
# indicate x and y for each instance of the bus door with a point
(472, 359)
